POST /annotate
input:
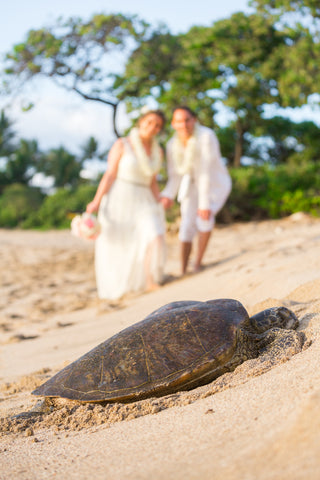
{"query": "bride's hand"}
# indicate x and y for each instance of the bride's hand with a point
(92, 207)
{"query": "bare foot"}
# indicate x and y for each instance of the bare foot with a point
(151, 287)
(198, 268)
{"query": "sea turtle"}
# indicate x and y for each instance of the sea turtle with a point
(180, 346)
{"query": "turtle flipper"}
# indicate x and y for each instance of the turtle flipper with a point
(274, 346)
(277, 346)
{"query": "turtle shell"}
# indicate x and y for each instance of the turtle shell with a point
(178, 347)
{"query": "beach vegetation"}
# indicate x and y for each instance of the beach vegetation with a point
(259, 192)
(271, 192)
(17, 203)
(58, 209)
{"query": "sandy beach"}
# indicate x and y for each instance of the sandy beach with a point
(261, 421)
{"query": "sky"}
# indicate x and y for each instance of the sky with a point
(63, 118)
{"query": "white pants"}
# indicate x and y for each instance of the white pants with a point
(191, 223)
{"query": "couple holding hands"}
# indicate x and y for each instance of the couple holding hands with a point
(130, 251)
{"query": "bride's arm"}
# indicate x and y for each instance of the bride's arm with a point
(108, 177)
(155, 188)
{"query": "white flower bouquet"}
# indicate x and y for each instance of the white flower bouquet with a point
(85, 226)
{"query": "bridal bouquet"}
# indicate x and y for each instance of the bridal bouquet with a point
(85, 226)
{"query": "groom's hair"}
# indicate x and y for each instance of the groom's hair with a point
(186, 109)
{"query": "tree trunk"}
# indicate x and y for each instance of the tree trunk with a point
(114, 119)
(239, 145)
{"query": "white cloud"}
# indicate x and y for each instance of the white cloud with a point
(64, 118)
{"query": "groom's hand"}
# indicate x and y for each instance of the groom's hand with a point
(204, 214)
(166, 202)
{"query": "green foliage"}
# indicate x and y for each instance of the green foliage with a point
(259, 192)
(74, 47)
(284, 141)
(146, 73)
(274, 192)
(63, 166)
(284, 6)
(22, 163)
(26, 207)
(7, 135)
(246, 62)
(22, 159)
(296, 62)
(158, 70)
(76, 54)
(17, 203)
(57, 210)
(209, 65)
(90, 149)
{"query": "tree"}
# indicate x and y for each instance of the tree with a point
(239, 52)
(63, 166)
(280, 140)
(245, 62)
(147, 72)
(7, 135)
(157, 71)
(77, 55)
(277, 7)
(210, 65)
(22, 159)
(296, 62)
(7, 146)
(22, 163)
(90, 151)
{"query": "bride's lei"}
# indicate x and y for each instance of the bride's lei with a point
(149, 165)
(184, 156)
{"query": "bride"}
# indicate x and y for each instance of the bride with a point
(129, 253)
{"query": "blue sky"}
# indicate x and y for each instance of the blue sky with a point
(18, 16)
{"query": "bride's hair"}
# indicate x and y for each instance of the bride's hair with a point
(159, 113)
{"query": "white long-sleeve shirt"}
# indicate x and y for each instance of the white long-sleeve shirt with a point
(209, 173)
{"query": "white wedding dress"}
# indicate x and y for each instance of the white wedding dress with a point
(132, 227)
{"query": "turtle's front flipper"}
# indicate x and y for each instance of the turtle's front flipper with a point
(278, 346)
(279, 317)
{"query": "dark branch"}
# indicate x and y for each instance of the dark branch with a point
(114, 106)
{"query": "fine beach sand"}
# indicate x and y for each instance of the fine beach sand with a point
(261, 421)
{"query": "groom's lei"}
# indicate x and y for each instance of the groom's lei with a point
(184, 156)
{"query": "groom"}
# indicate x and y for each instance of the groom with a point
(197, 174)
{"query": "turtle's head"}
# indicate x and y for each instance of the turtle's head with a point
(279, 317)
